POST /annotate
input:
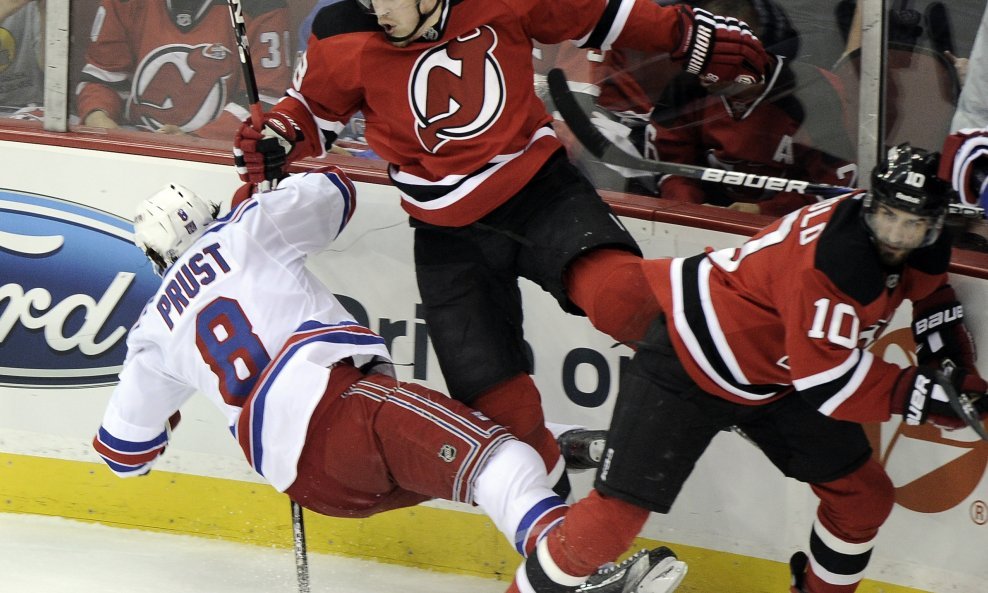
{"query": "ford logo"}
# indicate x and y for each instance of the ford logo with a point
(71, 285)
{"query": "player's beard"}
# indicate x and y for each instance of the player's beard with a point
(891, 256)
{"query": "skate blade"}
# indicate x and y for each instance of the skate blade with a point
(663, 578)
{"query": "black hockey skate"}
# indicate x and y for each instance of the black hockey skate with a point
(797, 568)
(582, 448)
(647, 571)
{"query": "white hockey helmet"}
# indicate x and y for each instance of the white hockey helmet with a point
(168, 222)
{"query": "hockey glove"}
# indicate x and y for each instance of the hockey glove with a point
(920, 395)
(939, 330)
(720, 49)
(965, 164)
(262, 155)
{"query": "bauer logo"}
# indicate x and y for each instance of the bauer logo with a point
(72, 284)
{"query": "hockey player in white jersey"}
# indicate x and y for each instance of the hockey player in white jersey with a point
(309, 394)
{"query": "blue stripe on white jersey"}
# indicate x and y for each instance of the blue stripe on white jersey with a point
(347, 332)
(349, 198)
(131, 447)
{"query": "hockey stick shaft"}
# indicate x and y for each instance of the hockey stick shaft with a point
(961, 403)
(607, 152)
(247, 67)
(243, 49)
(602, 148)
(298, 541)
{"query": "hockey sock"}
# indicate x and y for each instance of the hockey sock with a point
(540, 574)
(516, 405)
(851, 511)
(513, 489)
(597, 530)
(610, 287)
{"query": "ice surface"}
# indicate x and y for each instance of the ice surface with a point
(55, 555)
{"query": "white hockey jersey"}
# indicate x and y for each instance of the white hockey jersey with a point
(239, 317)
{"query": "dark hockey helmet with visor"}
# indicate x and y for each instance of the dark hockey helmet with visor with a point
(907, 180)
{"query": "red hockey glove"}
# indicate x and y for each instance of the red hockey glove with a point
(262, 156)
(720, 49)
(965, 165)
(920, 395)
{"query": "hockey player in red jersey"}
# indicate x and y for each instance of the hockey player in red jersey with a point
(171, 66)
(772, 338)
(446, 87)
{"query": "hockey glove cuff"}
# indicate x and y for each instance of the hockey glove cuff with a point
(720, 49)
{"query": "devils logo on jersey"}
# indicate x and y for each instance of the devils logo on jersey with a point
(456, 90)
(182, 85)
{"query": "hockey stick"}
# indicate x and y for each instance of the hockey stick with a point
(247, 68)
(301, 557)
(602, 148)
(243, 48)
(605, 150)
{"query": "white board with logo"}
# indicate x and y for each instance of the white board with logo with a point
(72, 283)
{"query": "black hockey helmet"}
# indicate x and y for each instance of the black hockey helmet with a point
(907, 180)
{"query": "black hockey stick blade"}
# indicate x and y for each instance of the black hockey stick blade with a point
(605, 150)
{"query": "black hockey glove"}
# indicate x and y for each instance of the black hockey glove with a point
(921, 395)
(939, 330)
(720, 49)
(262, 155)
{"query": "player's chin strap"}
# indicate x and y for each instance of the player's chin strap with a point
(422, 19)
(607, 152)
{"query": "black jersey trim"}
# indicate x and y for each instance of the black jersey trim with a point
(430, 192)
(604, 25)
(699, 325)
(847, 257)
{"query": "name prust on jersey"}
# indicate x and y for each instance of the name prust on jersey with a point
(187, 278)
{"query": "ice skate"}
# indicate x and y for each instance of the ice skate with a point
(797, 568)
(647, 571)
(582, 448)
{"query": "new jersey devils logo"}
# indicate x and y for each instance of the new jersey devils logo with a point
(181, 85)
(456, 90)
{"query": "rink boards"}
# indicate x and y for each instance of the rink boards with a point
(72, 281)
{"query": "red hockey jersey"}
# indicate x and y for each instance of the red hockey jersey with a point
(457, 118)
(795, 308)
(150, 65)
